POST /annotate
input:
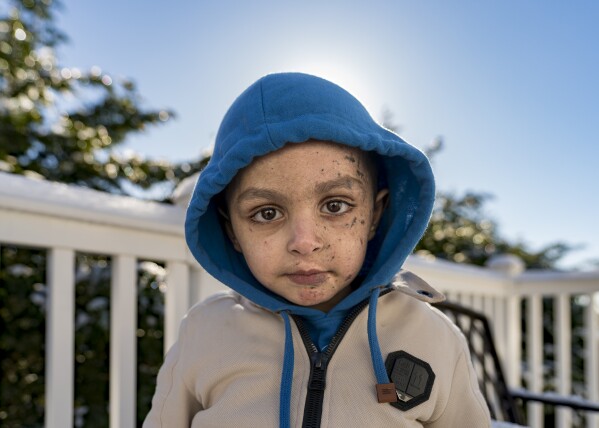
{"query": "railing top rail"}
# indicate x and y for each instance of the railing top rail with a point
(558, 276)
(461, 269)
(20, 193)
(486, 281)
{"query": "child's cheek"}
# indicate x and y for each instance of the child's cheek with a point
(354, 229)
(351, 223)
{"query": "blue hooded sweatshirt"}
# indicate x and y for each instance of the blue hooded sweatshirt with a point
(286, 108)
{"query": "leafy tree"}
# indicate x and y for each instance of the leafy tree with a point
(22, 327)
(63, 123)
(23, 295)
(460, 231)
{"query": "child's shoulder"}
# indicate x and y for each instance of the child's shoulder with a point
(411, 306)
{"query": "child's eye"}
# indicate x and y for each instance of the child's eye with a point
(266, 214)
(336, 207)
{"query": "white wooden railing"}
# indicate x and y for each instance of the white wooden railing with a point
(499, 292)
(67, 219)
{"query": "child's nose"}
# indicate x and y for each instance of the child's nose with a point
(305, 236)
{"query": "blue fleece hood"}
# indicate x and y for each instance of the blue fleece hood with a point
(292, 108)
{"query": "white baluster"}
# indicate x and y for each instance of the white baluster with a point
(563, 347)
(176, 300)
(123, 341)
(534, 347)
(60, 325)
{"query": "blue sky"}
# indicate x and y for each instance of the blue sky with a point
(512, 86)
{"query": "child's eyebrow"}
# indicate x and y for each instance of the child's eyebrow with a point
(258, 193)
(345, 182)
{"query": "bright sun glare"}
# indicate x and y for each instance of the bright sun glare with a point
(346, 74)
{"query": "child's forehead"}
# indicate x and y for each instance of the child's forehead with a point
(314, 159)
(319, 152)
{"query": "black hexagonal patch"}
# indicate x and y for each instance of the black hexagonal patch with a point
(413, 379)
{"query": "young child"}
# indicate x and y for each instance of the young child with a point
(307, 210)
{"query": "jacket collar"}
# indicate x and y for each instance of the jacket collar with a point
(411, 284)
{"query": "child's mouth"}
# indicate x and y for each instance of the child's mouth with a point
(311, 277)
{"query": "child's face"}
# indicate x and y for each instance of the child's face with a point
(302, 216)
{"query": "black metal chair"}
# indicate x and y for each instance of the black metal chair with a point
(504, 402)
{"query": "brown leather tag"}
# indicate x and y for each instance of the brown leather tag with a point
(385, 393)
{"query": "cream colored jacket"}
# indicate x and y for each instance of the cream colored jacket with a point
(225, 369)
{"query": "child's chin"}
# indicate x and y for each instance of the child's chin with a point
(312, 298)
(322, 304)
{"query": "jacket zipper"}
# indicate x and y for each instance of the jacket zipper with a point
(319, 362)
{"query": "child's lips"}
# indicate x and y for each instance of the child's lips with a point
(309, 277)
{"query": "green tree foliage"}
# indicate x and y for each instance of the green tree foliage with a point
(92, 340)
(23, 294)
(460, 231)
(150, 332)
(63, 123)
(22, 332)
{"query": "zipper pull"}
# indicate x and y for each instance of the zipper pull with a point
(318, 373)
(319, 360)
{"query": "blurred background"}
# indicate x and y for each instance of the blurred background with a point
(126, 97)
(511, 87)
